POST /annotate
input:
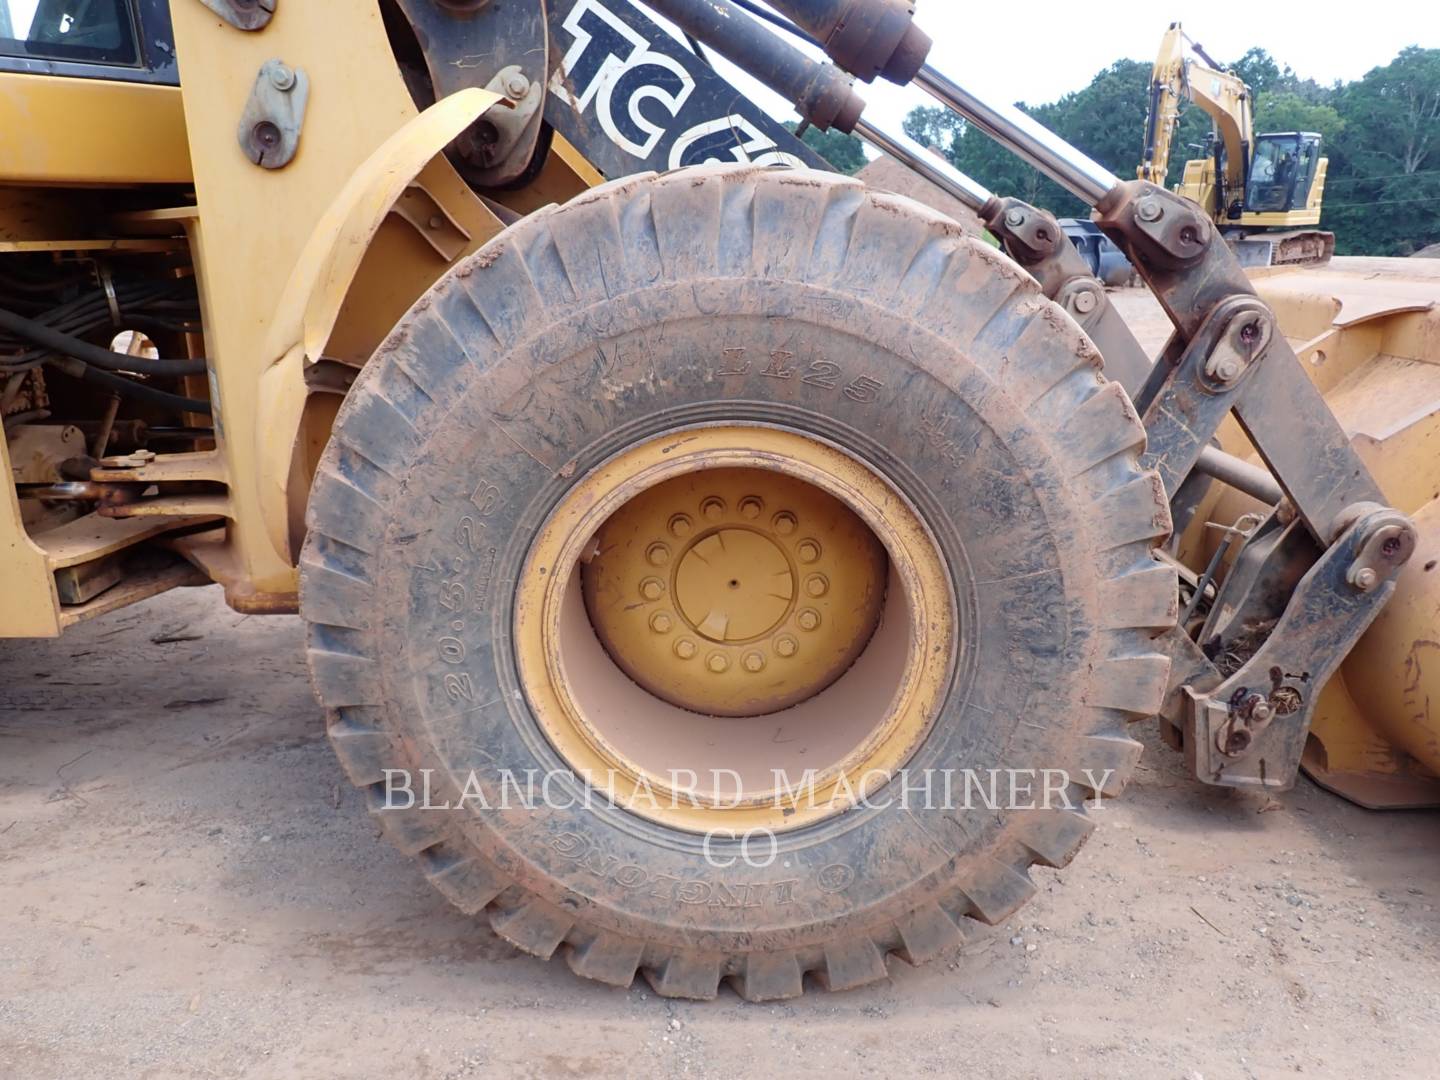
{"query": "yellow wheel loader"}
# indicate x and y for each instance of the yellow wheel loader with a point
(714, 571)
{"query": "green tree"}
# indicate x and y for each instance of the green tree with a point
(1260, 72)
(1287, 111)
(1383, 192)
(845, 152)
(1263, 75)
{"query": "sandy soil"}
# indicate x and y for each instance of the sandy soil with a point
(191, 889)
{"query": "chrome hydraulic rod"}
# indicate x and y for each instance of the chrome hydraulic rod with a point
(1086, 179)
(878, 37)
(971, 193)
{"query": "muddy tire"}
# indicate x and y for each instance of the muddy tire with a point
(793, 302)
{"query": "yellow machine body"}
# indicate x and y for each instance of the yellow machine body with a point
(301, 271)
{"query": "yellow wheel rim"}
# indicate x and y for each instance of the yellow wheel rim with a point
(734, 628)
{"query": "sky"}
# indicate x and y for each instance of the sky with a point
(1058, 47)
(22, 14)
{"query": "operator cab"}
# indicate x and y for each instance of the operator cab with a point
(1282, 171)
(118, 40)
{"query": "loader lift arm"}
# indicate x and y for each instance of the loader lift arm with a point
(1323, 564)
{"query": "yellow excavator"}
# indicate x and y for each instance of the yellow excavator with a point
(1263, 191)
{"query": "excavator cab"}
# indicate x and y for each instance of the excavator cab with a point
(1282, 172)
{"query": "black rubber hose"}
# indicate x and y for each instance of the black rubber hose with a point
(94, 355)
(129, 387)
(777, 20)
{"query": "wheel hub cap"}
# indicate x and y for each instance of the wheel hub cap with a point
(735, 592)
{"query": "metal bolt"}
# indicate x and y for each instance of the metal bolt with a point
(1014, 218)
(1086, 302)
(1149, 210)
(754, 663)
(718, 663)
(281, 77)
(517, 86)
(1260, 711)
(1365, 579)
(435, 221)
(1227, 370)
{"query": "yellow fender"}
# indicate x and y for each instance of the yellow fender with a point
(322, 276)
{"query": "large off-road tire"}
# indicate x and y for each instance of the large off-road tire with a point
(802, 307)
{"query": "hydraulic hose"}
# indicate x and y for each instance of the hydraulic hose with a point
(93, 355)
(129, 387)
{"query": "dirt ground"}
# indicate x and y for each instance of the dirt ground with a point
(191, 889)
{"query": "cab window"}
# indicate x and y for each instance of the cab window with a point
(1272, 174)
(97, 31)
